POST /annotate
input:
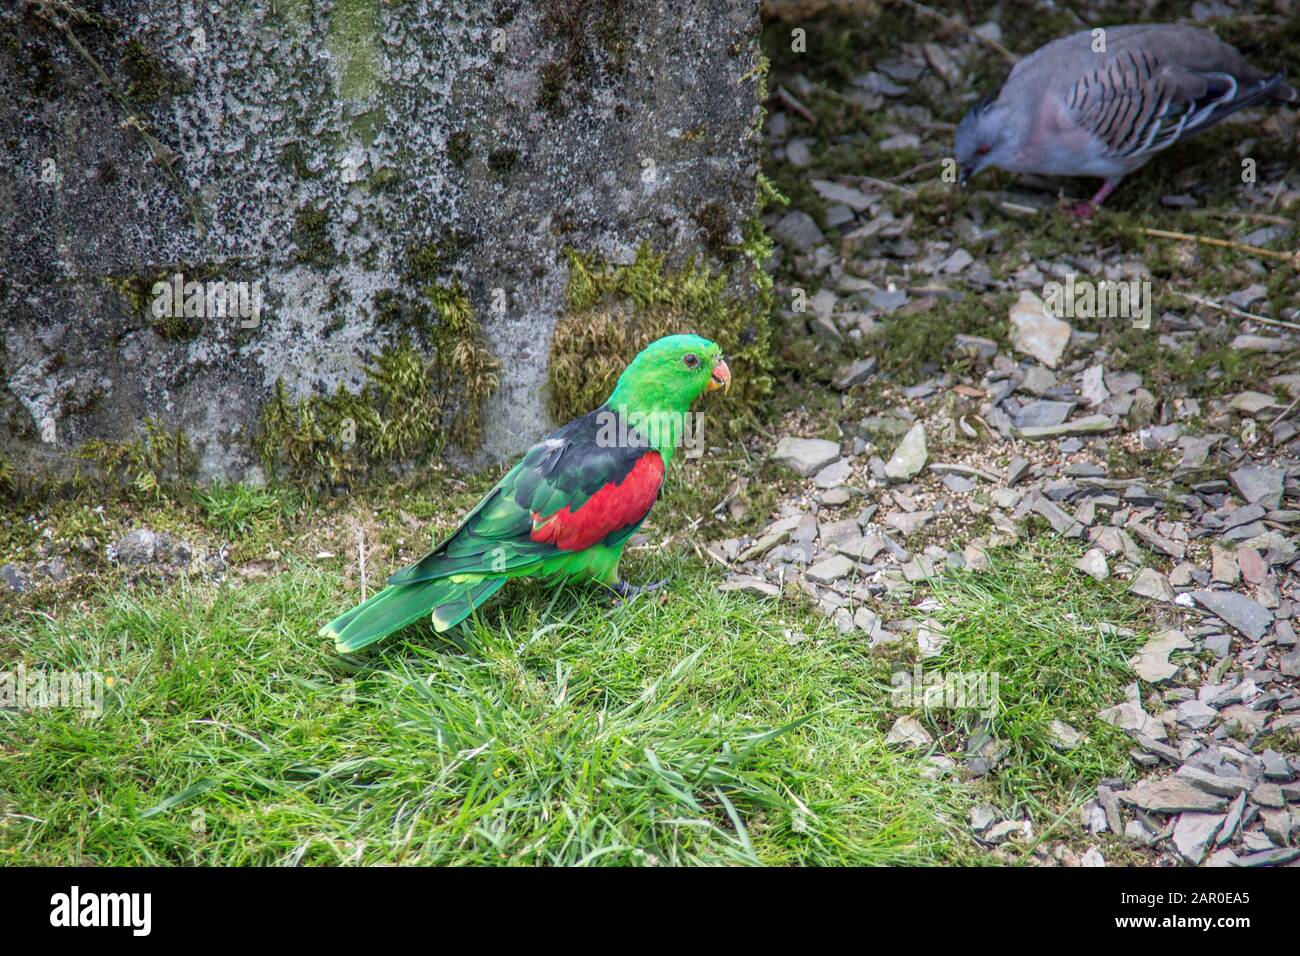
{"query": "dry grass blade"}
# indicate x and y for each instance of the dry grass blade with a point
(1292, 257)
(1211, 304)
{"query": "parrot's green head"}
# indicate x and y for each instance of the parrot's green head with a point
(671, 373)
(656, 390)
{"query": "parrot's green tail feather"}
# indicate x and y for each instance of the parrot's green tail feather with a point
(448, 600)
(450, 613)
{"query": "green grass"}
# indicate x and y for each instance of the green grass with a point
(560, 730)
(234, 509)
(1056, 639)
(705, 728)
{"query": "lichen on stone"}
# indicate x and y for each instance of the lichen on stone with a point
(334, 439)
(353, 40)
(463, 360)
(399, 415)
(426, 390)
(363, 127)
(590, 38)
(293, 156)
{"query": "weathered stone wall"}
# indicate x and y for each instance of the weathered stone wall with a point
(366, 162)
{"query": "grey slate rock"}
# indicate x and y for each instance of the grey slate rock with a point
(1171, 796)
(1193, 833)
(1088, 425)
(1150, 583)
(806, 456)
(1277, 857)
(144, 546)
(1220, 786)
(1260, 484)
(1238, 611)
(1016, 470)
(1042, 413)
(799, 231)
(1061, 522)
(1232, 820)
(830, 570)
(909, 457)
(14, 578)
(855, 373)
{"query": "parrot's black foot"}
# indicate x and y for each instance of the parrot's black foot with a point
(627, 591)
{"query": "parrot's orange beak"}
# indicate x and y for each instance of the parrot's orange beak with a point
(721, 377)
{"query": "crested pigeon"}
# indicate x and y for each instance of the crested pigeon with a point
(1070, 110)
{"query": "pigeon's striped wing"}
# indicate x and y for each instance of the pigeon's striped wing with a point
(587, 484)
(1136, 106)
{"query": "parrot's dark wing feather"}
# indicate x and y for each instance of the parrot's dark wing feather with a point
(592, 481)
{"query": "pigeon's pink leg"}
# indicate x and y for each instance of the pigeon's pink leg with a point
(1084, 210)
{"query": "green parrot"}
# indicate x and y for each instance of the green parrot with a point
(566, 510)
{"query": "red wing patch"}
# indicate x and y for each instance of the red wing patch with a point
(609, 509)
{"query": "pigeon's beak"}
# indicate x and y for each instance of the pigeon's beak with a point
(721, 377)
(964, 177)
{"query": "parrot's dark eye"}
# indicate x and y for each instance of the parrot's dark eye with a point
(691, 360)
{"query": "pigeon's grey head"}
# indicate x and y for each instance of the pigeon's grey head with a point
(985, 137)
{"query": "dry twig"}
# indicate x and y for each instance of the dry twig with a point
(1291, 257)
(1211, 304)
(54, 13)
(788, 100)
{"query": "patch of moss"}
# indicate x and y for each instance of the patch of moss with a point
(147, 79)
(1209, 365)
(398, 415)
(293, 157)
(467, 366)
(329, 438)
(8, 478)
(615, 311)
(1284, 741)
(427, 261)
(912, 346)
(458, 147)
(137, 291)
(34, 63)
(410, 405)
(502, 161)
(550, 90)
(1138, 463)
(159, 459)
(385, 179)
(310, 234)
(715, 229)
(297, 12)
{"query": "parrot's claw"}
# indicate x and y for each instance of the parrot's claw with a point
(627, 591)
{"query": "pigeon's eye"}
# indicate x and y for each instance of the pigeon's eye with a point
(691, 360)
(983, 150)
